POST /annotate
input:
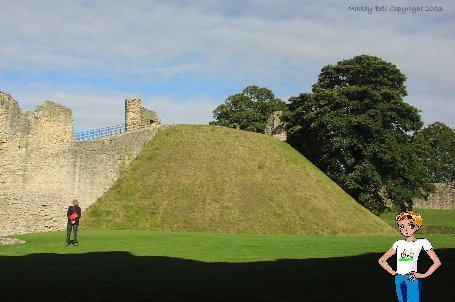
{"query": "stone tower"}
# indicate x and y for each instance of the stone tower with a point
(137, 117)
(275, 127)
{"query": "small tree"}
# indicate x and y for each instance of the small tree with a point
(356, 128)
(248, 110)
(437, 150)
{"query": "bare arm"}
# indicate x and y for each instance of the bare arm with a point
(383, 261)
(436, 264)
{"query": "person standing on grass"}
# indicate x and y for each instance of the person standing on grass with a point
(408, 282)
(74, 214)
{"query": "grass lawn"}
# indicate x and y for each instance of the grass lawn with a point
(153, 266)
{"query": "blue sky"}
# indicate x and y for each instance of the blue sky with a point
(183, 58)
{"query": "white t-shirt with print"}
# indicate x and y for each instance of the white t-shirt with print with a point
(408, 253)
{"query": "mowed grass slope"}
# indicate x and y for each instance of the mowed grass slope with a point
(213, 179)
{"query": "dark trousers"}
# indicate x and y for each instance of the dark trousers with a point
(70, 227)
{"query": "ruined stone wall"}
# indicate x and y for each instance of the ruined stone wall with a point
(275, 127)
(137, 116)
(14, 128)
(42, 168)
(443, 198)
(51, 124)
(32, 143)
(149, 118)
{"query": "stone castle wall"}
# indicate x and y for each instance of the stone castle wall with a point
(275, 127)
(443, 198)
(42, 168)
(137, 116)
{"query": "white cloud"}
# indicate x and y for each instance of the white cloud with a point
(283, 44)
(90, 110)
(197, 110)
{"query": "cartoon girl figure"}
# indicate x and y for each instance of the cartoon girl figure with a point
(408, 281)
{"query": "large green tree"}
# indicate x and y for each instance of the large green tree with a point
(356, 128)
(248, 110)
(437, 150)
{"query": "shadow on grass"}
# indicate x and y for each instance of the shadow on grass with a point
(120, 276)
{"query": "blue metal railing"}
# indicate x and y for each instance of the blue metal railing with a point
(99, 133)
(111, 130)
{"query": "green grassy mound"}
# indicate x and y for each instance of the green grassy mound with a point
(213, 179)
